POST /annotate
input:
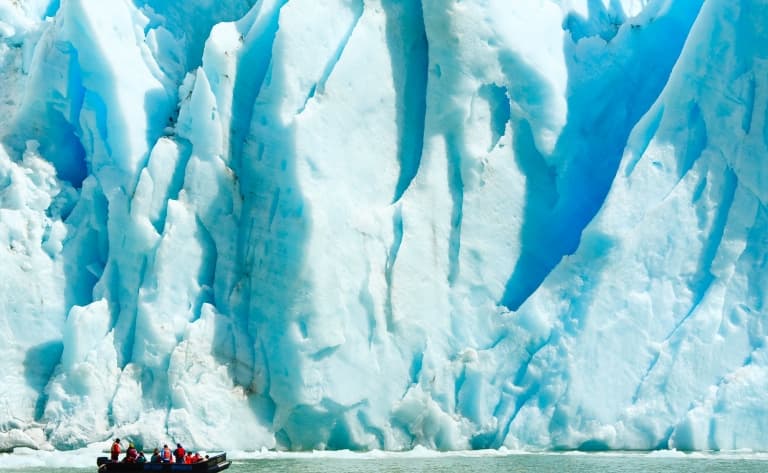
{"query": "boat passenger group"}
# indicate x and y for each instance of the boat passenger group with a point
(164, 455)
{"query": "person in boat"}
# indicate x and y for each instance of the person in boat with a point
(131, 455)
(114, 452)
(179, 453)
(165, 455)
(141, 458)
(195, 457)
(156, 456)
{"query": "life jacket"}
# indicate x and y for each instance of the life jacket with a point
(115, 450)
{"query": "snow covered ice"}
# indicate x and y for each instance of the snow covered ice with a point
(383, 224)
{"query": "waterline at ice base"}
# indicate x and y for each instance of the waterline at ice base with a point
(384, 224)
(25, 460)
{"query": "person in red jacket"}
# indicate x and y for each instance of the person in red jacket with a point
(131, 455)
(179, 453)
(114, 452)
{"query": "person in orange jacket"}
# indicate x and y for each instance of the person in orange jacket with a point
(165, 455)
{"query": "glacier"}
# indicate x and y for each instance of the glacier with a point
(384, 224)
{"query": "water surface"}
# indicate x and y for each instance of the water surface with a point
(474, 463)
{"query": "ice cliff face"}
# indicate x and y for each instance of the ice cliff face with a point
(380, 223)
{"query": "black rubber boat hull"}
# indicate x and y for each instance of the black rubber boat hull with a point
(213, 464)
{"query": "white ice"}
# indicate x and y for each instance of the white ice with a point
(383, 225)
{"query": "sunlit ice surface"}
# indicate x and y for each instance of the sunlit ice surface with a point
(380, 225)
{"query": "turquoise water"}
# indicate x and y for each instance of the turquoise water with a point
(539, 463)
(512, 464)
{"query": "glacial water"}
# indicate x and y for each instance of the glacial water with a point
(471, 463)
(512, 464)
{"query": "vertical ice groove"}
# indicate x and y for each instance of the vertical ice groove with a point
(696, 141)
(416, 365)
(757, 258)
(258, 31)
(272, 305)
(765, 127)
(273, 206)
(76, 93)
(584, 168)
(645, 375)
(458, 384)
(365, 298)
(519, 401)
(409, 57)
(334, 59)
(207, 272)
(129, 313)
(40, 364)
(456, 186)
(175, 18)
(176, 183)
(265, 387)
(370, 428)
(643, 134)
(749, 105)
(253, 65)
(541, 195)
(509, 405)
(705, 275)
(703, 278)
(397, 231)
(310, 96)
(53, 8)
(55, 122)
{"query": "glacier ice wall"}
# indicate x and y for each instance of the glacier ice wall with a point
(363, 224)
